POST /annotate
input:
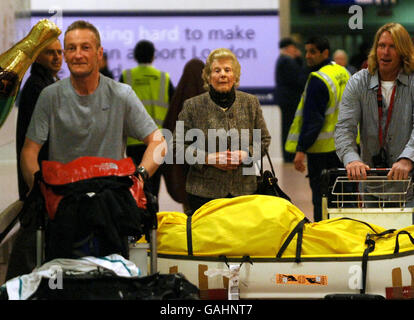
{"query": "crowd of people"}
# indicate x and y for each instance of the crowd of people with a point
(334, 114)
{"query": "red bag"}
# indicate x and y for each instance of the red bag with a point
(57, 174)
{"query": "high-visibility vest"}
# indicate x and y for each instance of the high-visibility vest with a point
(151, 87)
(335, 78)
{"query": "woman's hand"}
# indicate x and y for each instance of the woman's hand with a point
(226, 160)
(238, 156)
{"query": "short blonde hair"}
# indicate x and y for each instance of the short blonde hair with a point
(82, 24)
(218, 54)
(403, 44)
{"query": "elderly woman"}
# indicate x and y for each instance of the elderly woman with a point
(223, 133)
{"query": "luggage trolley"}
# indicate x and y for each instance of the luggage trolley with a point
(375, 200)
(137, 252)
(140, 253)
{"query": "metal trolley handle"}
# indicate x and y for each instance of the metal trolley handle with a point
(376, 189)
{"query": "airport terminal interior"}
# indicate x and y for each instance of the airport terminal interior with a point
(343, 26)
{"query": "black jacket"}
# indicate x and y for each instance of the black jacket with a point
(290, 79)
(94, 218)
(39, 78)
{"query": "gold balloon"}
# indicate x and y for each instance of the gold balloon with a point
(15, 62)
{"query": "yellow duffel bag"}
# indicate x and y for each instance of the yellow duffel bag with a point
(346, 237)
(252, 225)
(270, 227)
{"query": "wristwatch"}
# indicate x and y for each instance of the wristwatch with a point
(143, 173)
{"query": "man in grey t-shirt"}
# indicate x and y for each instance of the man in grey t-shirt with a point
(91, 125)
(89, 114)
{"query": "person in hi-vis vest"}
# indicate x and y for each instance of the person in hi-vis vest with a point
(154, 88)
(311, 134)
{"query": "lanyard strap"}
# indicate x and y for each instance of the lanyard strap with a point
(379, 100)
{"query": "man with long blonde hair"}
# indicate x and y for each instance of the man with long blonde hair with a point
(379, 100)
(403, 45)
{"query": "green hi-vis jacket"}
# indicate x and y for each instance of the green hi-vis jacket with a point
(335, 78)
(151, 87)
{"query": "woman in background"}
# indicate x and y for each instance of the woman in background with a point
(190, 85)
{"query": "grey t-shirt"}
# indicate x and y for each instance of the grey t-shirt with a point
(94, 125)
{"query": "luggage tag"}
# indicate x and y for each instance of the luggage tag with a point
(233, 273)
(234, 290)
